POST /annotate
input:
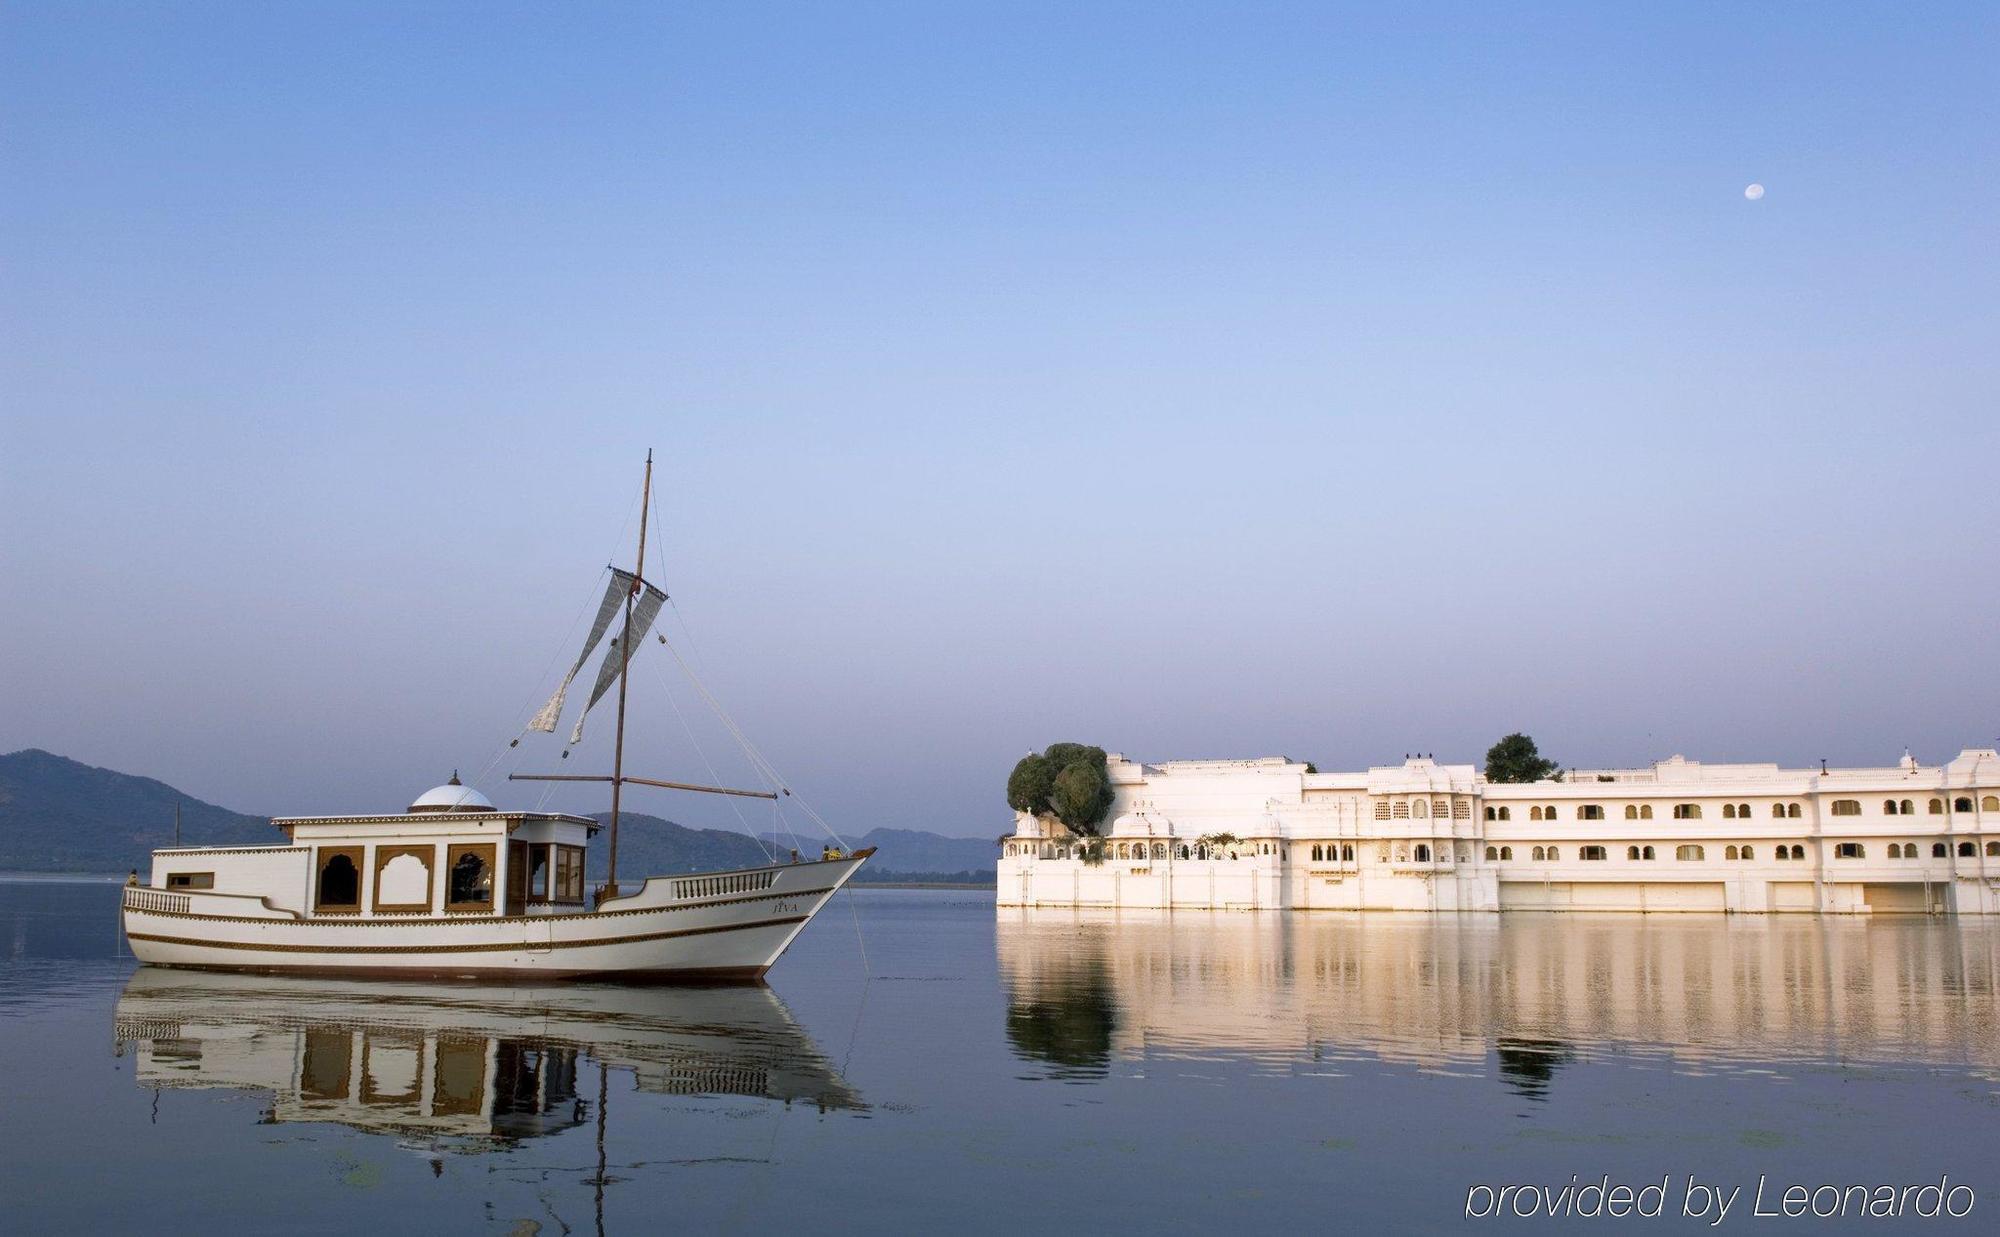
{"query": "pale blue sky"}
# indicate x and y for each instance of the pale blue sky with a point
(1194, 380)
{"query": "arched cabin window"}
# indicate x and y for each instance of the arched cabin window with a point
(337, 886)
(469, 877)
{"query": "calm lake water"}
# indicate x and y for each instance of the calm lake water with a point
(1010, 1071)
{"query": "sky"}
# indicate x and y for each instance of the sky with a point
(1193, 380)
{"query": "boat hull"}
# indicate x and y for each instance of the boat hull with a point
(660, 934)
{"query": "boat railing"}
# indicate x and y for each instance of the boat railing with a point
(694, 887)
(203, 902)
(139, 898)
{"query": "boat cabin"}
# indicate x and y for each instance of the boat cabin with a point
(452, 853)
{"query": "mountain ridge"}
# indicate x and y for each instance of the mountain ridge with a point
(61, 815)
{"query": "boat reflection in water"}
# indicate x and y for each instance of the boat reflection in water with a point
(1520, 995)
(460, 1067)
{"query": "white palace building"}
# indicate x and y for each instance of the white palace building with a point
(1421, 836)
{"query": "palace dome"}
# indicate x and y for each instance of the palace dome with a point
(1135, 825)
(453, 796)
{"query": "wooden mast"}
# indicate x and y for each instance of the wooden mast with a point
(624, 676)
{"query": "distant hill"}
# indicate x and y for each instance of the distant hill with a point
(59, 815)
(916, 853)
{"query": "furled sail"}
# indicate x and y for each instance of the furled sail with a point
(622, 650)
(614, 594)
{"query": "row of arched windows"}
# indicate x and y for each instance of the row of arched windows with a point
(1643, 811)
(1343, 853)
(1908, 807)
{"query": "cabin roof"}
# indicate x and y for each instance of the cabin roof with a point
(446, 817)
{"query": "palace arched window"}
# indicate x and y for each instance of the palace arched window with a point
(1535, 813)
(1538, 853)
(1632, 853)
(1729, 852)
(1184, 850)
(1743, 811)
(1791, 811)
(1423, 853)
(1690, 852)
(1909, 808)
(1850, 850)
(1549, 812)
(1506, 813)
(1631, 811)
(1507, 852)
(1778, 811)
(1347, 852)
(1591, 853)
(1555, 853)
(1729, 811)
(1967, 851)
(1989, 803)
(1420, 809)
(1749, 852)
(1492, 853)
(1895, 850)
(1687, 811)
(1937, 807)
(1491, 815)
(1645, 811)
(1798, 852)
(1889, 807)
(1993, 850)
(1315, 852)
(1590, 811)
(1847, 807)
(1938, 851)
(1961, 804)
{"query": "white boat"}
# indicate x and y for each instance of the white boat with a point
(456, 887)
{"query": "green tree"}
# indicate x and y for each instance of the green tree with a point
(1081, 796)
(1028, 786)
(1038, 785)
(1516, 759)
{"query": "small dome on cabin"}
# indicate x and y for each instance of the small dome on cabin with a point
(453, 796)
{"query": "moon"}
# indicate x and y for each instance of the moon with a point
(1754, 192)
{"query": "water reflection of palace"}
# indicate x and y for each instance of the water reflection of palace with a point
(460, 1067)
(1531, 991)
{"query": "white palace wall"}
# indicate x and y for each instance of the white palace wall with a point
(1421, 836)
